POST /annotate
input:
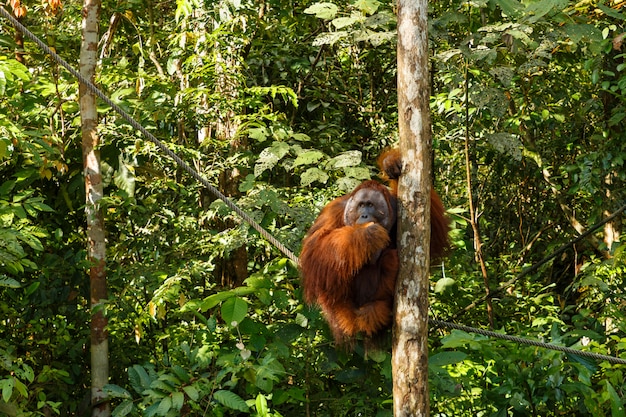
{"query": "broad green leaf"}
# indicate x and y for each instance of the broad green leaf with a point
(178, 400)
(610, 12)
(234, 310)
(18, 69)
(367, 6)
(115, 391)
(583, 33)
(617, 407)
(231, 400)
(7, 388)
(342, 22)
(214, 299)
(270, 156)
(301, 320)
(311, 175)
(443, 283)
(161, 386)
(329, 38)
(247, 184)
(261, 405)
(301, 137)
(124, 177)
(510, 7)
(123, 409)
(21, 387)
(38, 205)
(458, 338)
(139, 378)
(191, 392)
(446, 358)
(308, 158)
(260, 134)
(359, 173)
(323, 10)
(347, 184)
(536, 10)
(9, 282)
(181, 373)
(4, 146)
(164, 406)
(346, 159)
(258, 281)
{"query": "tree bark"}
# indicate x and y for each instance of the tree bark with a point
(95, 218)
(410, 334)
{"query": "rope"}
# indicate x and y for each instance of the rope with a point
(283, 248)
(95, 90)
(531, 342)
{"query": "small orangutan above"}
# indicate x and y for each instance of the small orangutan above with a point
(349, 261)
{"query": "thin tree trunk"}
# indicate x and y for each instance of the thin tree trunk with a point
(95, 219)
(410, 334)
(478, 244)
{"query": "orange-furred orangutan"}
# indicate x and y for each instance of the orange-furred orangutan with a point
(349, 261)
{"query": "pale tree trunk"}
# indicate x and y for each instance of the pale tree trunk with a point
(95, 220)
(410, 333)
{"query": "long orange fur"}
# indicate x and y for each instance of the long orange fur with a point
(337, 265)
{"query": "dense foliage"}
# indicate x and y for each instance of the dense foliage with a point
(284, 106)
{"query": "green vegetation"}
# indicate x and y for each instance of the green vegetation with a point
(285, 105)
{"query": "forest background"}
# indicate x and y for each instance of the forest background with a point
(285, 105)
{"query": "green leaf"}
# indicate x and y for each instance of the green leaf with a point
(115, 391)
(311, 175)
(458, 338)
(3, 83)
(540, 8)
(7, 388)
(21, 387)
(181, 373)
(191, 392)
(261, 405)
(124, 177)
(443, 283)
(178, 400)
(38, 205)
(214, 299)
(260, 134)
(4, 147)
(446, 358)
(301, 137)
(346, 159)
(164, 406)
(367, 6)
(610, 12)
(32, 288)
(234, 310)
(322, 10)
(231, 400)
(123, 409)
(342, 22)
(247, 184)
(269, 157)
(9, 282)
(308, 158)
(617, 407)
(139, 378)
(301, 320)
(329, 38)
